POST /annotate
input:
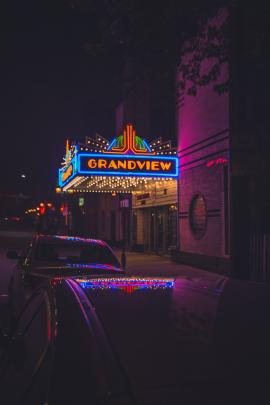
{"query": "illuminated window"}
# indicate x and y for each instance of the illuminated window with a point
(198, 216)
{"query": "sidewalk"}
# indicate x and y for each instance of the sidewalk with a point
(154, 265)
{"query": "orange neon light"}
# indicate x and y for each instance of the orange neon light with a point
(67, 173)
(67, 148)
(129, 164)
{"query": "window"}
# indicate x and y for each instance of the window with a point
(102, 220)
(26, 257)
(60, 254)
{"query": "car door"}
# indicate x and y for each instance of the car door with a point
(26, 362)
(19, 288)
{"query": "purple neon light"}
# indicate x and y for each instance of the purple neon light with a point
(77, 239)
(90, 266)
(128, 285)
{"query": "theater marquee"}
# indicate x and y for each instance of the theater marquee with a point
(127, 156)
(127, 165)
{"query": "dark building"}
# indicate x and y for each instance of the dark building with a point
(222, 127)
(203, 147)
(148, 102)
(224, 145)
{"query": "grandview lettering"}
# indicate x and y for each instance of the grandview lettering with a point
(129, 164)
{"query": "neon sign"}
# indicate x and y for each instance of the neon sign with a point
(218, 161)
(70, 152)
(102, 164)
(129, 143)
(67, 172)
(127, 155)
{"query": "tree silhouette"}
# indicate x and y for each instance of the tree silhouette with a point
(153, 33)
(211, 42)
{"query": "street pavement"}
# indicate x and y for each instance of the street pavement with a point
(154, 265)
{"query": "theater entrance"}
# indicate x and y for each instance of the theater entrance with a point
(135, 187)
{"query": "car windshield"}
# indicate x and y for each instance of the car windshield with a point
(61, 254)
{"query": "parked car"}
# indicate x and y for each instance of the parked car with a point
(133, 340)
(58, 256)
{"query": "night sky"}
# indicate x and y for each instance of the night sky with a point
(50, 90)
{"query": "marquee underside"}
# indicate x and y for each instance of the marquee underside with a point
(114, 184)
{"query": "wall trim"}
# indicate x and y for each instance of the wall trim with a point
(220, 265)
(204, 140)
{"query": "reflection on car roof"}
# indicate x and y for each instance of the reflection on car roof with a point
(69, 239)
(127, 284)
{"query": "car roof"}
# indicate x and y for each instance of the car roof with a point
(166, 331)
(56, 239)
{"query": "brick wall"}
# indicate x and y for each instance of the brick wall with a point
(208, 182)
(203, 147)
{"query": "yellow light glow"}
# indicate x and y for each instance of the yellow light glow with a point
(116, 184)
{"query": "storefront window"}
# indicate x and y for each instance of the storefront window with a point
(152, 230)
(198, 216)
(103, 220)
(134, 227)
(160, 230)
(172, 226)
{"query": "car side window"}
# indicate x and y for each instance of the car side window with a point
(22, 257)
(26, 257)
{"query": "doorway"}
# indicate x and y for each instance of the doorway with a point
(113, 227)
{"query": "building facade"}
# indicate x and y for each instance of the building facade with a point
(154, 217)
(216, 216)
(203, 150)
(224, 143)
